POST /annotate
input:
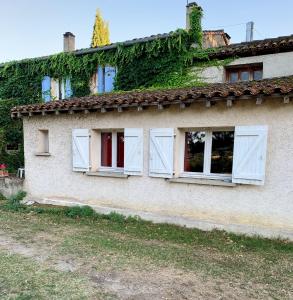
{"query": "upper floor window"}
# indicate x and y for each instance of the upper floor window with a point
(56, 89)
(244, 73)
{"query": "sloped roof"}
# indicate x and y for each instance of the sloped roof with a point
(257, 47)
(212, 92)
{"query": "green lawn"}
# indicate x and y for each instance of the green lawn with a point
(48, 253)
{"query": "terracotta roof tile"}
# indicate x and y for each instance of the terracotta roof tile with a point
(221, 91)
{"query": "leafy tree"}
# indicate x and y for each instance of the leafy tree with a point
(101, 35)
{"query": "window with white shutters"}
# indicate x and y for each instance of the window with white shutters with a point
(161, 152)
(250, 149)
(80, 150)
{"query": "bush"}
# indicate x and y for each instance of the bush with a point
(13, 202)
(79, 212)
(2, 197)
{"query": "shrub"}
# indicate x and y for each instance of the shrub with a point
(13, 202)
(79, 212)
(2, 197)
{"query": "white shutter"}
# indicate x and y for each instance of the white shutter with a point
(81, 150)
(161, 152)
(249, 158)
(133, 151)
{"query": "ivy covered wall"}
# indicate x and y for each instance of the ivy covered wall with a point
(160, 63)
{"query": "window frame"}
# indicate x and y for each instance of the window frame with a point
(206, 174)
(114, 167)
(243, 68)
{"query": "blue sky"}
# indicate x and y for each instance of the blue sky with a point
(34, 28)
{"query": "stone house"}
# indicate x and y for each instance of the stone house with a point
(216, 156)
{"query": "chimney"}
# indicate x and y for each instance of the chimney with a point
(189, 8)
(249, 31)
(68, 42)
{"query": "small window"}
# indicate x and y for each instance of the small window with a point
(112, 150)
(43, 143)
(209, 152)
(12, 148)
(244, 73)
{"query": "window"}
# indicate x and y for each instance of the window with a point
(43, 142)
(209, 153)
(12, 148)
(105, 79)
(244, 73)
(56, 89)
(112, 150)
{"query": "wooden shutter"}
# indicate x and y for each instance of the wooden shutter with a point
(80, 150)
(133, 151)
(68, 89)
(161, 152)
(249, 158)
(110, 74)
(46, 88)
(101, 80)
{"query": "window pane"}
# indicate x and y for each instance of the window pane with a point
(244, 76)
(233, 77)
(120, 150)
(222, 152)
(194, 151)
(257, 75)
(106, 149)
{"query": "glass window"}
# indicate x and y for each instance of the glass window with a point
(233, 77)
(120, 150)
(106, 149)
(209, 152)
(222, 152)
(244, 76)
(257, 75)
(112, 149)
(194, 151)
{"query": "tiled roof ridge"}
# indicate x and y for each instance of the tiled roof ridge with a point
(220, 91)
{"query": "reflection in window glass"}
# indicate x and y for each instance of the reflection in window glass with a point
(244, 76)
(106, 149)
(194, 151)
(257, 75)
(222, 152)
(120, 149)
(233, 76)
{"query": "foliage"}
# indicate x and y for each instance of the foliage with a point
(195, 26)
(101, 35)
(79, 212)
(14, 202)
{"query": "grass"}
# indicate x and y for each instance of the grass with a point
(102, 242)
(22, 278)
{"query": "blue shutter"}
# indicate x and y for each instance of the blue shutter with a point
(110, 74)
(68, 89)
(46, 88)
(101, 82)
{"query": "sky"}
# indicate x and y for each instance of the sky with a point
(34, 28)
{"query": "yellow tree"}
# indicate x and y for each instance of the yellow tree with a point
(101, 35)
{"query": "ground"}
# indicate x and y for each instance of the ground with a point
(48, 256)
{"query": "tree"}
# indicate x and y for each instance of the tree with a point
(101, 35)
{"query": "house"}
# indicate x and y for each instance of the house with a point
(211, 156)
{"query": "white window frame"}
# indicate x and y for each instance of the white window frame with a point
(206, 174)
(114, 167)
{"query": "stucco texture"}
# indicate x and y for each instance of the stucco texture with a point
(269, 206)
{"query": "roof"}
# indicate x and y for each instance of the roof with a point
(282, 86)
(129, 43)
(257, 47)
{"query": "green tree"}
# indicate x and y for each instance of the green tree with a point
(101, 35)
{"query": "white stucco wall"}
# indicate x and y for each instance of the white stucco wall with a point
(269, 207)
(274, 65)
